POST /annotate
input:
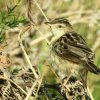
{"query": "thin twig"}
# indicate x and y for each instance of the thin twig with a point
(26, 56)
(34, 42)
(31, 90)
(40, 9)
(90, 93)
(69, 76)
(42, 34)
(39, 39)
(32, 21)
(5, 78)
(40, 82)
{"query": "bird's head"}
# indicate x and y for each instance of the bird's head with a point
(60, 26)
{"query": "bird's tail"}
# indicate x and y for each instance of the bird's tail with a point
(93, 68)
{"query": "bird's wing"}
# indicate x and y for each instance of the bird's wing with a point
(76, 40)
(72, 47)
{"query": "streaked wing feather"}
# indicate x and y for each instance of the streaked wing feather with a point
(74, 46)
(76, 40)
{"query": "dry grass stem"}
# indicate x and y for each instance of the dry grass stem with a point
(39, 39)
(90, 93)
(22, 28)
(39, 82)
(31, 90)
(5, 78)
(32, 21)
(45, 38)
(26, 56)
(40, 9)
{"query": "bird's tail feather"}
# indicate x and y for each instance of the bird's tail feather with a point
(93, 68)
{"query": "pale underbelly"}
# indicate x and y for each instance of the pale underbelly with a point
(64, 67)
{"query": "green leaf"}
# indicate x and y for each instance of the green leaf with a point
(2, 38)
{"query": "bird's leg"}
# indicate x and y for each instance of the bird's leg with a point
(84, 79)
(65, 82)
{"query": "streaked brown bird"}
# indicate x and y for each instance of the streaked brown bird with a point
(69, 50)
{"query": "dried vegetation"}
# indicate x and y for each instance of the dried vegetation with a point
(25, 69)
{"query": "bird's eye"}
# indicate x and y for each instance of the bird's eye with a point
(60, 26)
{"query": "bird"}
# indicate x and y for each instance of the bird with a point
(69, 49)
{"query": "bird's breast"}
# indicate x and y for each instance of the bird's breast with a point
(63, 67)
